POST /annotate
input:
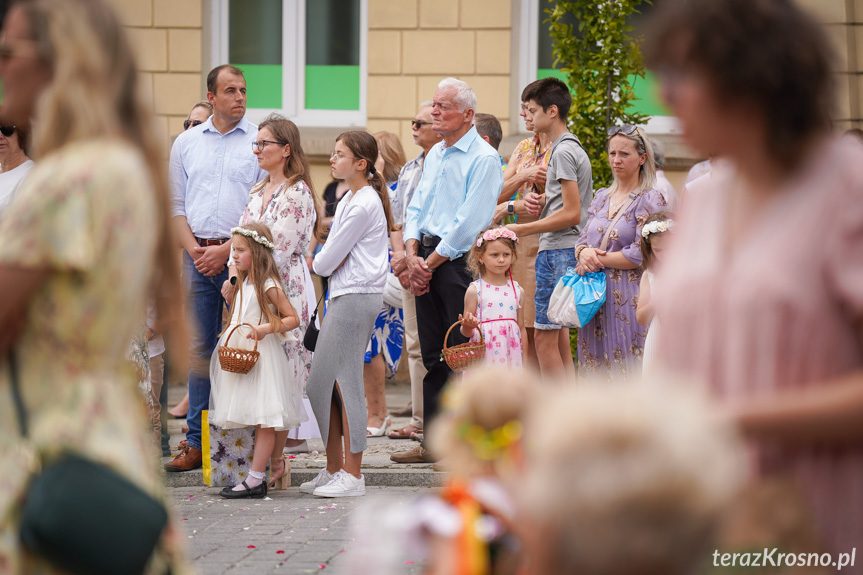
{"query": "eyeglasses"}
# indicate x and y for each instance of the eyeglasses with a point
(191, 124)
(7, 131)
(260, 145)
(626, 130)
(419, 124)
(338, 156)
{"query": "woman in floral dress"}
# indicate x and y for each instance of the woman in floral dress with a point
(285, 201)
(613, 341)
(82, 242)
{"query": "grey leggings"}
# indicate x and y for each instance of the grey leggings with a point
(345, 333)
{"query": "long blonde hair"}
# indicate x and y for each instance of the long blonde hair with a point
(263, 268)
(646, 469)
(647, 171)
(94, 94)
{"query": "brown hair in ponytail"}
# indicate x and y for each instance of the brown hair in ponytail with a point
(364, 147)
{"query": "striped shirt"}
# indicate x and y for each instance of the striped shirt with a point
(456, 195)
(409, 177)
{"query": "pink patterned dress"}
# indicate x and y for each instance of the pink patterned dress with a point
(497, 311)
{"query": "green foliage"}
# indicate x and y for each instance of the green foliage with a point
(598, 59)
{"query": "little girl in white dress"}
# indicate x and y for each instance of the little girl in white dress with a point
(654, 241)
(267, 397)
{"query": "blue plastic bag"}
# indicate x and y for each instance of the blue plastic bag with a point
(576, 299)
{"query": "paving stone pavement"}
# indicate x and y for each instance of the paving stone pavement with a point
(376, 459)
(289, 533)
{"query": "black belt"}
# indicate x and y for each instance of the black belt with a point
(430, 241)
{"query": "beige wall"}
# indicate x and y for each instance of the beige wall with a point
(166, 35)
(843, 20)
(414, 44)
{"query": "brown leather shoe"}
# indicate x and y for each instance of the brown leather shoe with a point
(418, 455)
(188, 459)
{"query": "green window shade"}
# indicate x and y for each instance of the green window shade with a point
(263, 85)
(255, 46)
(332, 55)
(333, 87)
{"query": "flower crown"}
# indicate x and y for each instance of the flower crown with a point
(489, 445)
(255, 236)
(657, 228)
(496, 234)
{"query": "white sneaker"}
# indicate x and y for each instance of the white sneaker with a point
(322, 478)
(343, 485)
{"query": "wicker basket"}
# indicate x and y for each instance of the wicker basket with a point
(465, 355)
(235, 359)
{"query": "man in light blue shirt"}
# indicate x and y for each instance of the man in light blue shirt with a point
(212, 170)
(454, 202)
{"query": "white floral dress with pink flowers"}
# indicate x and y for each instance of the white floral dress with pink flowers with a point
(497, 312)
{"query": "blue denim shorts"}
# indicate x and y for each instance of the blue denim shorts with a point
(550, 267)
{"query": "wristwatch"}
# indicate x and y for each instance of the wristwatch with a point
(510, 207)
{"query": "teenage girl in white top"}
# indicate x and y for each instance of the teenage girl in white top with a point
(355, 258)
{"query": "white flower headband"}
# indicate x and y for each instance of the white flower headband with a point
(657, 228)
(254, 235)
(496, 234)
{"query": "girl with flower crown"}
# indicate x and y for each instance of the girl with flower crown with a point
(268, 397)
(493, 303)
(470, 526)
(655, 235)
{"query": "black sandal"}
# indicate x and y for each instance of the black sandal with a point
(257, 492)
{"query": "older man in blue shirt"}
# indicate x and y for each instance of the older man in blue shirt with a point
(454, 202)
(212, 170)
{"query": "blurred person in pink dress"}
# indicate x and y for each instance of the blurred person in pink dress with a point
(762, 295)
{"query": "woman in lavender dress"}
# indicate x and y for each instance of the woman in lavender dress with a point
(612, 342)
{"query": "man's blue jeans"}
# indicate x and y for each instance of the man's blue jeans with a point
(204, 301)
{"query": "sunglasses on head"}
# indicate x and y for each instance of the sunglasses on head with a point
(191, 124)
(7, 130)
(626, 130)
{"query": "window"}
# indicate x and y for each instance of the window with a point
(303, 58)
(538, 62)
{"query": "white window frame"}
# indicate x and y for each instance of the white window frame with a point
(293, 66)
(527, 69)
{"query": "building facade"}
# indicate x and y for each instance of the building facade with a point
(332, 65)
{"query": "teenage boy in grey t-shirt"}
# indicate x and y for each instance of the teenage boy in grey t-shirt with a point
(568, 192)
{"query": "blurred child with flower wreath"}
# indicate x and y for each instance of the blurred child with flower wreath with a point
(468, 528)
(493, 303)
(655, 237)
